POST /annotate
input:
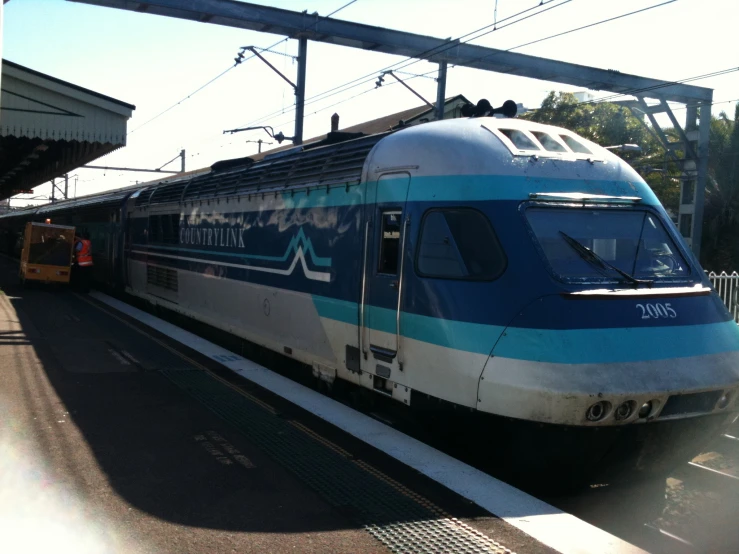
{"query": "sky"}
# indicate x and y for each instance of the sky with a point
(156, 63)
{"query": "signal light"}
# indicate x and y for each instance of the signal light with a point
(724, 401)
(645, 409)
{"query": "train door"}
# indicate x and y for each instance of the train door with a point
(385, 263)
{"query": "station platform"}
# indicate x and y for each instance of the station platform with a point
(114, 437)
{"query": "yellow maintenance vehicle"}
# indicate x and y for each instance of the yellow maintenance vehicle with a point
(47, 253)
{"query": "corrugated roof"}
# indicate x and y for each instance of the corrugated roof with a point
(49, 127)
(49, 78)
(36, 106)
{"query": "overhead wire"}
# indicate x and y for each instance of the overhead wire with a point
(213, 80)
(221, 74)
(278, 124)
(436, 50)
(351, 98)
(453, 43)
(635, 91)
(446, 45)
(486, 28)
(608, 20)
(341, 8)
(181, 101)
(325, 97)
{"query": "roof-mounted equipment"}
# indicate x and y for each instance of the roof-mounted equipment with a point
(484, 108)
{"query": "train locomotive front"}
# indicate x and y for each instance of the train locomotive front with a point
(605, 353)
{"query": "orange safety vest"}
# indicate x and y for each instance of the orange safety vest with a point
(84, 254)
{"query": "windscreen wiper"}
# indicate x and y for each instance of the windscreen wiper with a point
(588, 255)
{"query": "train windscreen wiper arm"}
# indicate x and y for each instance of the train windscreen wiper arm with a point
(588, 255)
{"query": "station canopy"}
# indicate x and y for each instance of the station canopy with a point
(49, 127)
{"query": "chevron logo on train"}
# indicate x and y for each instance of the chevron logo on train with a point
(300, 248)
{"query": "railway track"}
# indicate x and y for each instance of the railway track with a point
(658, 540)
(701, 476)
(702, 503)
(728, 445)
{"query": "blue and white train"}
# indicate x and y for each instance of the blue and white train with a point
(507, 267)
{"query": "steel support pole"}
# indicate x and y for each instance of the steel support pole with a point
(182, 158)
(704, 129)
(441, 91)
(300, 90)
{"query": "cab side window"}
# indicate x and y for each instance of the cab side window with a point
(459, 243)
(390, 242)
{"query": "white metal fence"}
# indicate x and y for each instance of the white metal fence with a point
(727, 287)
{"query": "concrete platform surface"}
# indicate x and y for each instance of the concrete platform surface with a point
(100, 451)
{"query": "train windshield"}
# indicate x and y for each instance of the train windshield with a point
(582, 244)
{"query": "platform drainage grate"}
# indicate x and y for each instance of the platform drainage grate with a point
(402, 520)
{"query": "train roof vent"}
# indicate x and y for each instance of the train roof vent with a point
(144, 197)
(334, 164)
(209, 185)
(170, 192)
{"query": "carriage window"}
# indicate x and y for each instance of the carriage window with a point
(548, 142)
(390, 242)
(171, 228)
(574, 145)
(519, 139)
(459, 244)
(164, 228)
(155, 228)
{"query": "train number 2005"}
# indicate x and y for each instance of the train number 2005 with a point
(649, 311)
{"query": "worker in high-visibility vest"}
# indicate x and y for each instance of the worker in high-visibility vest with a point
(82, 267)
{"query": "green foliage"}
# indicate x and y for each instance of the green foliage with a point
(721, 216)
(604, 123)
(610, 124)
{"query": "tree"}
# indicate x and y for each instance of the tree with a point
(721, 215)
(611, 124)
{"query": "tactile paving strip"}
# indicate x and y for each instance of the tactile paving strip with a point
(402, 520)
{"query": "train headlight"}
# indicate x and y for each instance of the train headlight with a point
(723, 401)
(598, 411)
(625, 410)
(645, 409)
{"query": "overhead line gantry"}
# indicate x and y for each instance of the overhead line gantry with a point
(691, 149)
